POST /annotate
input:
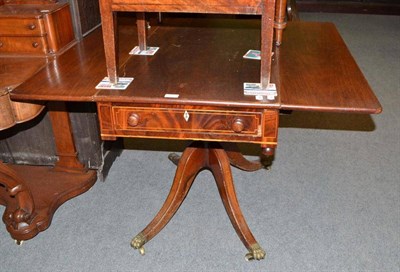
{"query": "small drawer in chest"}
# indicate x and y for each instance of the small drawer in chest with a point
(21, 27)
(35, 45)
(35, 29)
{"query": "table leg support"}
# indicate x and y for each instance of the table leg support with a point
(32, 194)
(236, 159)
(188, 167)
(18, 218)
(196, 157)
(220, 167)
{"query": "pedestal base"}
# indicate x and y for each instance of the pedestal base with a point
(196, 157)
(48, 189)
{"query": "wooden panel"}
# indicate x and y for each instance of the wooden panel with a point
(219, 6)
(6, 112)
(13, 71)
(12, 112)
(59, 28)
(315, 71)
(86, 132)
(270, 126)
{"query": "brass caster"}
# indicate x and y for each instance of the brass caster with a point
(142, 251)
(138, 242)
(19, 242)
(256, 253)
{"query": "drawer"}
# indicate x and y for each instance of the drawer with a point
(36, 45)
(186, 121)
(21, 27)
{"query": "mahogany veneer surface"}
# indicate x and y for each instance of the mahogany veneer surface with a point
(202, 62)
(12, 73)
(316, 72)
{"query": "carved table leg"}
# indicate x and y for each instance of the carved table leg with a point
(220, 167)
(32, 194)
(189, 165)
(196, 157)
(237, 159)
(21, 217)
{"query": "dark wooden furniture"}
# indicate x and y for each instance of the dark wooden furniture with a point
(33, 142)
(265, 8)
(32, 28)
(13, 72)
(32, 194)
(211, 109)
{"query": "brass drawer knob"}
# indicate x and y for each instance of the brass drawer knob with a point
(133, 120)
(35, 44)
(32, 26)
(238, 125)
(1, 44)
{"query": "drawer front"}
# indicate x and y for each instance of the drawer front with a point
(21, 27)
(36, 45)
(188, 121)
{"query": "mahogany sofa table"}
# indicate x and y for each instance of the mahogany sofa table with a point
(192, 89)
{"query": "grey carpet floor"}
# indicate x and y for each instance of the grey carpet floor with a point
(329, 203)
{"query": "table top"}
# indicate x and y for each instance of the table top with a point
(202, 61)
(316, 72)
(14, 71)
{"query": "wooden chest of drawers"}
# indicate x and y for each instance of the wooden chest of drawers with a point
(188, 123)
(35, 29)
